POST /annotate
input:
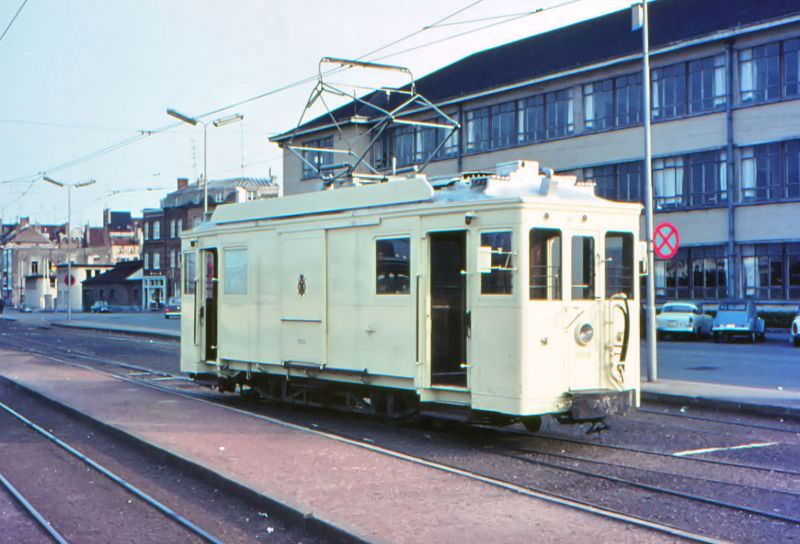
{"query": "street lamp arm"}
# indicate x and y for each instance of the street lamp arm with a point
(181, 117)
(54, 182)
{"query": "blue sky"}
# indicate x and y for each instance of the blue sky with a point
(79, 76)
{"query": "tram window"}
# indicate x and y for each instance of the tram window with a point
(545, 268)
(582, 268)
(392, 268)
(235, 271)
(619, 264)
(499, 280)
(189, 273)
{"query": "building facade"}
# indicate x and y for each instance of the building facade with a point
(725, 88)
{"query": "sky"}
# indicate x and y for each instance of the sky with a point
(85, 84)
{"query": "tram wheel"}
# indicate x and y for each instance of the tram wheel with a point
(532, 423)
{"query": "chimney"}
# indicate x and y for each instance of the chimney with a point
(24, 221)
(183, 183)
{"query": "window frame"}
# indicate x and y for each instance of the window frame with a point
(242, 287)
(590, 289)
(553, 285)
(504, 278)
(376, 285)
(189, 272)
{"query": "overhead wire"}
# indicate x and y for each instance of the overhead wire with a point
(14, 18)
(144, 134)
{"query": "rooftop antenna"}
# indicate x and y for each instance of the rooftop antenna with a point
(379, 109)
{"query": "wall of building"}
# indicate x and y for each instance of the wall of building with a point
(742, 223)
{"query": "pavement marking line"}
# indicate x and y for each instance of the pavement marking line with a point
(712, 450)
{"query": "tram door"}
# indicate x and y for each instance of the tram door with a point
(586, 303)
(208, 312)
(449, 319)
(303, 284)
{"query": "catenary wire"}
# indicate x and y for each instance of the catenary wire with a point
(276, 90)
(14, 18)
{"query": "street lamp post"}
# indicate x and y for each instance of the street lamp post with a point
(69, 186)
(222, 121)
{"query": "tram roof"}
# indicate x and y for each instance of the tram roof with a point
(517, 181)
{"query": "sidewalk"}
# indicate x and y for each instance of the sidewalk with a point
(736, 384)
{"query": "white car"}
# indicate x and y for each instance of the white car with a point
(794, 331)
(683, 318)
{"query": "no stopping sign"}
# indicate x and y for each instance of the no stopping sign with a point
(666, 240)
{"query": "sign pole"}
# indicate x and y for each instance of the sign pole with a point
(650, 307)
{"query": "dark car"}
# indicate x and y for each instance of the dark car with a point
(172, 308)
(738, 319)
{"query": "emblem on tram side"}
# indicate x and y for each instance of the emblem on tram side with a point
(301, 285)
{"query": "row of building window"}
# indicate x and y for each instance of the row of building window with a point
(767, 72)
(152, 229)
(768, 173)
(152, 261)
(767, 271)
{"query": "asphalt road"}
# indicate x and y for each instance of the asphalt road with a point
(772, 364)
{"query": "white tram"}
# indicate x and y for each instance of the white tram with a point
(496, 297)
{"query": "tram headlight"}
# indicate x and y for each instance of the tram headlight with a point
(584, 334)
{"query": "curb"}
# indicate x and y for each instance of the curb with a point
(133, 332)
(323, 529)
(786, 412)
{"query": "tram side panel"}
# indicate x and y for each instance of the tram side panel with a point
(371, 301)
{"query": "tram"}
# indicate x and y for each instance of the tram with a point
(492, 297)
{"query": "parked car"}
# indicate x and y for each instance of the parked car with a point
(683, 318)
(738, 318)
(172, 308)
(794, 331)
(100, 307)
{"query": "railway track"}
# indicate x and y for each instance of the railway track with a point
(141, 377)
(794, 430)
(96, 468)
(156, 379)
(34, 514)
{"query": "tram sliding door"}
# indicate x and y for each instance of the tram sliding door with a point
(208, 311)
(448, 299)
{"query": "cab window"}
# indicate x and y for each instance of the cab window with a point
(545, 264)
(582, 268)
(499, 280)
(619, 264)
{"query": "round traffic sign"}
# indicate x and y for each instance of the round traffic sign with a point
(666, 240)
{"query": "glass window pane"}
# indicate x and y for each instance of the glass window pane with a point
(393, 266)
(477, 130)
(503, 129)
(235, 271)
(530, 120)
(499, 280)
(582, 268)
(545, 264)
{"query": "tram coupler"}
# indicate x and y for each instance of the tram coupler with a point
(595, 404)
